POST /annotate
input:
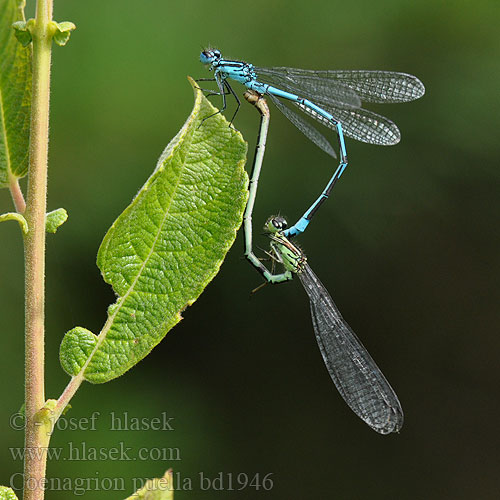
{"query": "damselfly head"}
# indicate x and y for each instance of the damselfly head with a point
(209, 56)
(275, 224)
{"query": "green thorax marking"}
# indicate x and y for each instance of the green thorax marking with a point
(290, 255)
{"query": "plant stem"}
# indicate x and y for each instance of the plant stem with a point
(66, 396)
(17, 195)
(36, 438)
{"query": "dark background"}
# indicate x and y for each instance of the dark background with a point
(407, 246)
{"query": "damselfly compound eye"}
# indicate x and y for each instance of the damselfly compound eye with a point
(279, 223)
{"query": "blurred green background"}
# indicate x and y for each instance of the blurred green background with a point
(407, 246)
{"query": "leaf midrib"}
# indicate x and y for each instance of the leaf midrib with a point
(106, 328)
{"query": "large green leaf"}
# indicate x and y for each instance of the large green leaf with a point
(166, 246)
(15, 95)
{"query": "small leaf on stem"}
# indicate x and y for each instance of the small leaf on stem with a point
(15, 216)
(22, 33)
(55, 219)
(62, 32)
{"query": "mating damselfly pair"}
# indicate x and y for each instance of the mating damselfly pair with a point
(334, 99)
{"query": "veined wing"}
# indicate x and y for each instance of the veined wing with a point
(307, 84)
(331, 87)
(355, 374)
(360, 124)
(306, 128)
(380, 86)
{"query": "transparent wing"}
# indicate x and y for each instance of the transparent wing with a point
(359, 124)
(355, 374)
(307, 129)
(309, 85)
(380, 86)
(345, 87)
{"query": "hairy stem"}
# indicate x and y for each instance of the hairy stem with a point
(17, 195)
(66, 396)
(36, 439)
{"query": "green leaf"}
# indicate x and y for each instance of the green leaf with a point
(156, 489)
(22, 32)
(76, 348)
(62, 32)
(167, 245)
(15, 95)
(7, 493)
(55, 219)
(18, 217)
